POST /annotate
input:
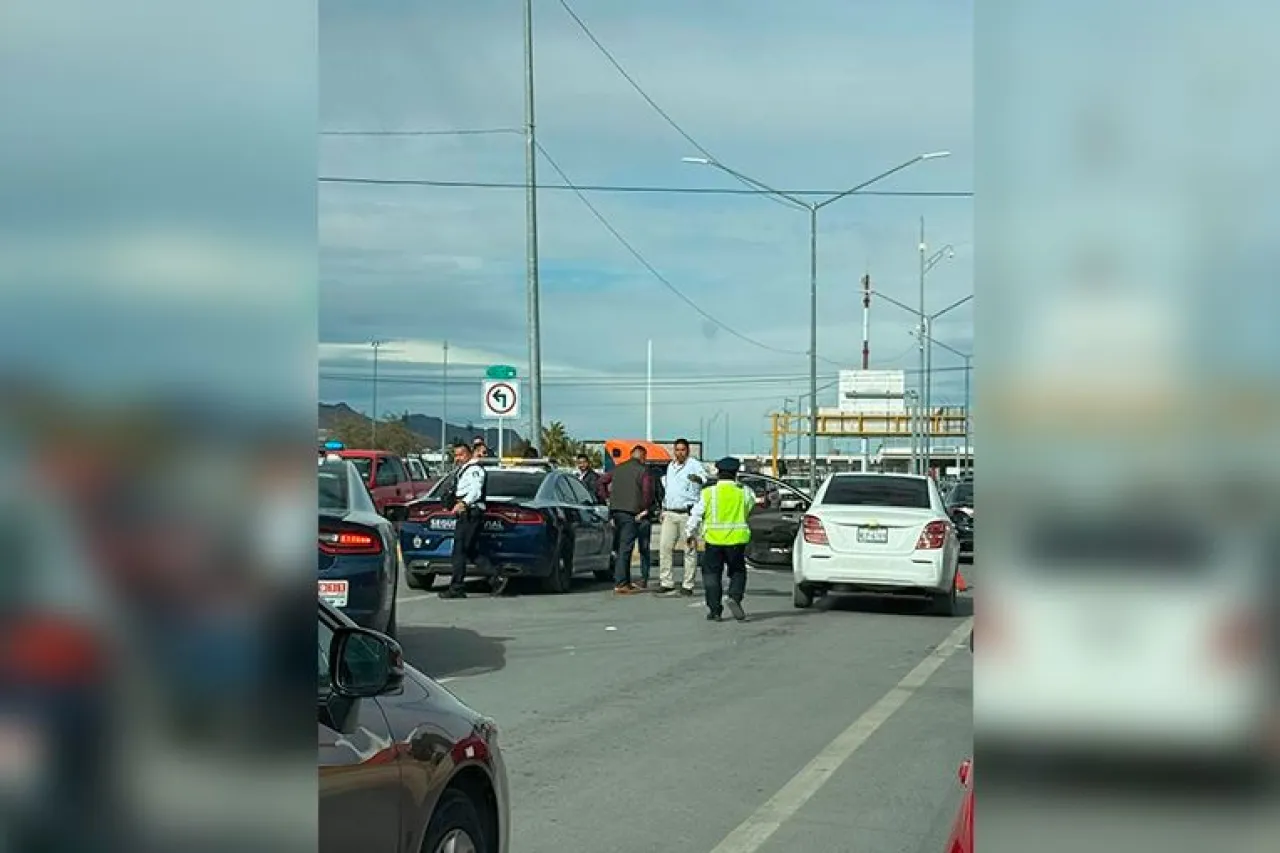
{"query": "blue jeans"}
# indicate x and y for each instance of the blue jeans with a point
(643, 531)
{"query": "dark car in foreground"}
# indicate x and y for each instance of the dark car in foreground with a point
(959, 503)
(538, 524)
(404, 766)
(359, 556)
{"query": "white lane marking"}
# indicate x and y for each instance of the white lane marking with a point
(753, 832)
(405, 599)
(446, 679)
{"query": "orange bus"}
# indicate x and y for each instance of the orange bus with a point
(617, 450)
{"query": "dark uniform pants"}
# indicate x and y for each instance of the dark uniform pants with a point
(718, 559)
(466, 545)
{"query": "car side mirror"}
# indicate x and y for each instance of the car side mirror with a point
(396, 513)
(364, 663)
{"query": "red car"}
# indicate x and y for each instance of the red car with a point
(961, 838)
(390, 481)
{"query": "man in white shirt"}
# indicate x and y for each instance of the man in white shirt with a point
(468, 508)
(682, 485)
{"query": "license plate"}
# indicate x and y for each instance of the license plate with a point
(873, 535)
(446, 523)
(334, 593)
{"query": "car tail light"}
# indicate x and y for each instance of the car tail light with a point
(515, 515)
(933, 536)
(814, 532)
(48, 649)
(350, 542)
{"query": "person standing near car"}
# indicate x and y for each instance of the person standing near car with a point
(721, 512)
(587, 475)
(651, 499)
(681, 484)
(468, 509)
(626, 495)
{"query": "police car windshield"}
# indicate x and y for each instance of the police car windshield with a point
(333, 486)
(520, 485)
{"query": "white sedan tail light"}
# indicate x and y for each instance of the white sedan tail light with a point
(933, 537)
(814, 532)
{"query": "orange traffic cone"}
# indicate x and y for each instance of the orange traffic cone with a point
(961, 586)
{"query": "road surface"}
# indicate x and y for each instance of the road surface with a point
(631, 724)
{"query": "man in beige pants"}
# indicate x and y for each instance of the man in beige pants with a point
(681, 485)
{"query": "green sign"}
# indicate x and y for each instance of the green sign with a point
(500, 371)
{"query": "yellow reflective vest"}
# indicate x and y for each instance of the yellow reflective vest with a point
(726, 506)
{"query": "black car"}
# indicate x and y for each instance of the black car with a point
(959, 503)
(538, 524)
(404, 766)
(775, 521)
(359, 556)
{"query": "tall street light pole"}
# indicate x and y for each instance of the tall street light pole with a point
(813, 207)
(373, 439)
(924, 330)
(531, 235)
(968, 359)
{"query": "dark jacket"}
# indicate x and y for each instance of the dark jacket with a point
(591, 479)
(626, 487)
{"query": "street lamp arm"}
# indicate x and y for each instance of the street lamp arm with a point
(966, 356)
(880, 177)
(905, 307)
(951, 307)
(746, 179)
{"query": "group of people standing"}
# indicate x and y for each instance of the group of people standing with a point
(687, 511)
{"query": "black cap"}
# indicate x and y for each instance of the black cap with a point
(728, 465)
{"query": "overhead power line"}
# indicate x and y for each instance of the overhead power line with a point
(483, 131)
(631, 81)
(623, 188)
(644, 262)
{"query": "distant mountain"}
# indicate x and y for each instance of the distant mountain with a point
(427, 426)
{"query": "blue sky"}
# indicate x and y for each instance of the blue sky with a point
(816, 94)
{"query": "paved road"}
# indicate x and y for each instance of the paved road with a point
(632, 724)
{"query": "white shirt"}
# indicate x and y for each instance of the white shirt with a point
(682, 492)
(470, 488)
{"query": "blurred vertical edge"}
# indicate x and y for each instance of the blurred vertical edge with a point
(157, 425)
(1128, 418)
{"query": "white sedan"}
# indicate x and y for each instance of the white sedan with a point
(878, 533)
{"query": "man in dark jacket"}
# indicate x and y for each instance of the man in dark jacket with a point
(626, 494)
(587, 475)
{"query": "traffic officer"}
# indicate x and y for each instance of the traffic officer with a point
(468, 508)
(721, 512)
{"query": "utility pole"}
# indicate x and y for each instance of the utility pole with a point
(444, 415)
(921, 462)
(531, 235)
(373, 440)
(866, 352)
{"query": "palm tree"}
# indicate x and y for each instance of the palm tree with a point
(556, 443)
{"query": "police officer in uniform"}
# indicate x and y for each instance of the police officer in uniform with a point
(721, 512)
(468, 507)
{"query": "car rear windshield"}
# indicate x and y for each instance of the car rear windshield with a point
(363, 464)
(521, 485)
(333, 487)
(905, 492)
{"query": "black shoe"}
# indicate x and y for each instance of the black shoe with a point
(667, 590)
(735, 608)
(452, 593)
(714, 617)
(686, 592)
